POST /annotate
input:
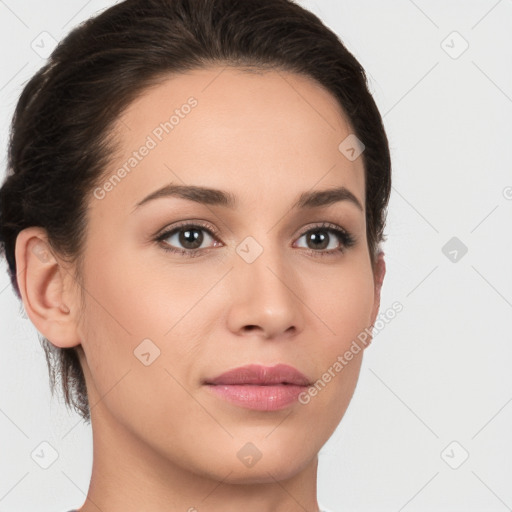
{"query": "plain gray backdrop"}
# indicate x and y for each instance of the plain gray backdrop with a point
(429, 426)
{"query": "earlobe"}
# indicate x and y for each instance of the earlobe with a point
(41, 283)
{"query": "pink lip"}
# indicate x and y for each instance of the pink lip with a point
(264, 388)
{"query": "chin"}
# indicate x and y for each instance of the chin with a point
(273, 465)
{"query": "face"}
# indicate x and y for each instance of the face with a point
(190, 284)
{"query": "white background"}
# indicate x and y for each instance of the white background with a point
(439, 372)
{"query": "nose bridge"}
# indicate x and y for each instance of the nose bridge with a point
(263, 288)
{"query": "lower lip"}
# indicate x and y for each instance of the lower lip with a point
(256, 397)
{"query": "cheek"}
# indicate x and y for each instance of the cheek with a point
(136, 369)
(135, 314)
(138, 299)
(343, 302)
(343, 305)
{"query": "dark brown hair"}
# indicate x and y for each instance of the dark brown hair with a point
(60, 146)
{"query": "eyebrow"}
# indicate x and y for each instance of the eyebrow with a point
(216, 197)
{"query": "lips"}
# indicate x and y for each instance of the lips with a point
(261, 375)
(260, 388)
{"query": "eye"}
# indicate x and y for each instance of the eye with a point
(327, 240)
(190, 236)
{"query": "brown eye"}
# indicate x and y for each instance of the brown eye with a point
(189, 239)
(327, 239)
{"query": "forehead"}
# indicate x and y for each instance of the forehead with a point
(253, 133)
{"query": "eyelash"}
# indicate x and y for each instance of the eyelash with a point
(346, 239)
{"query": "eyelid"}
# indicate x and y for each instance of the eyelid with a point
(166, 231)
(319, 225)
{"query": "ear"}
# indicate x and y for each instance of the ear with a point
(41, 280)
(379, 272)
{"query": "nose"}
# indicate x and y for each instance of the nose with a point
(265, 297)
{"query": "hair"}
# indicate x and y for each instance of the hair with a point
(61, 139)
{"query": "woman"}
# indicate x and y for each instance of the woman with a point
(192, 217)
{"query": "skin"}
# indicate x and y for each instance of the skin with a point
(161, 441)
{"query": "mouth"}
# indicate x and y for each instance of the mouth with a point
(259, 387)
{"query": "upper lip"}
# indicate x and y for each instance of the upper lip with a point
(262, 375)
